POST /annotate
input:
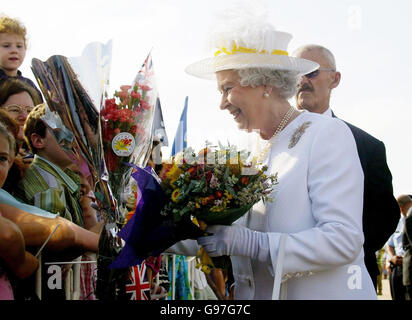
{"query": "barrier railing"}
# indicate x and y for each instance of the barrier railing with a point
(72, 280)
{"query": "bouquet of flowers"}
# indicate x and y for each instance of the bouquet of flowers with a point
(213, 187)
(122, 133)
(216, 188)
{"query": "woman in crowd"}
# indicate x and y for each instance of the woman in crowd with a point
(17, 98)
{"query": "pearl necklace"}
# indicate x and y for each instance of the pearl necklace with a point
(264, 153)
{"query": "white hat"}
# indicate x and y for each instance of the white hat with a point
(250, 46)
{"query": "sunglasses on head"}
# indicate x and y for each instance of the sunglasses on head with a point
(64, 138)
(315, 73)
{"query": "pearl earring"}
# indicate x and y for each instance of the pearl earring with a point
(266, 95)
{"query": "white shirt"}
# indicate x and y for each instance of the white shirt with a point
(395, 241)
(328, 112)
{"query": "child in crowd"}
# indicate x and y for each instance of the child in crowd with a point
(18, 167)
(14, 258)
(13, 46)
(88, 271)
(49, 183)
(69, 240)
(35, 225)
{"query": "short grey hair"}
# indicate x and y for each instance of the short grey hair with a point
(404, 199)
(285, 81)
(326, 53)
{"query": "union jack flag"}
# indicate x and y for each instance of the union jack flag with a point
(140, 285)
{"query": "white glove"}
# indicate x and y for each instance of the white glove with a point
(236, 241)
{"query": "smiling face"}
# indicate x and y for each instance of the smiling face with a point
(12, 53)
(243, 103)
(18, 106)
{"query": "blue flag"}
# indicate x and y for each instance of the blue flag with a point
(180, 142)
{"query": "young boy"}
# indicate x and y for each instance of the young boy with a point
(13, 45)
(48, 183)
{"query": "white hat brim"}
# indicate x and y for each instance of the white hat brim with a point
(207, 68)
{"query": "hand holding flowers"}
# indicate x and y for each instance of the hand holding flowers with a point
(196, 190)
(235, 241)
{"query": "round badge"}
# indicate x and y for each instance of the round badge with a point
(123, 144)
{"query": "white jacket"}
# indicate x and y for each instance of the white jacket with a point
(318, 204)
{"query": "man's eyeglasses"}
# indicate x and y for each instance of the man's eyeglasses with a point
(315, 73)
(15, 108)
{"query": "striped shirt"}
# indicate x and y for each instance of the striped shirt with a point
(47, 186)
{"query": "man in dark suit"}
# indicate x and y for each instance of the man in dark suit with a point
(380, 208)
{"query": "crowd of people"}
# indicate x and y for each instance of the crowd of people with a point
(334, 209)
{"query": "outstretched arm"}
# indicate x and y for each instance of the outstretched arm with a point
(36, 229)
(12, 250)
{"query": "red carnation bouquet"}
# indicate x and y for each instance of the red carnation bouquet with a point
(126, 133)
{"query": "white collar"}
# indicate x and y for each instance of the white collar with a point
(328, 112)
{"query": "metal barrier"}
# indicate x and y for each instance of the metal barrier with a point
(72, 280)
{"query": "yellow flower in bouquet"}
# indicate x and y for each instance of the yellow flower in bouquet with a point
(173, 174)
(175, 195)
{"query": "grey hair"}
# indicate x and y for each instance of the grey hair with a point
(326, 53)
(404, 199)
(285, 81)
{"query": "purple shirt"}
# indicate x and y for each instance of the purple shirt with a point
(4, 77)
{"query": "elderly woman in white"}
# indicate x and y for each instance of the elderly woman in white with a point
(308, 241)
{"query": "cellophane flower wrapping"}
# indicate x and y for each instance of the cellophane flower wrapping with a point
(75, 89)
(127, 120)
